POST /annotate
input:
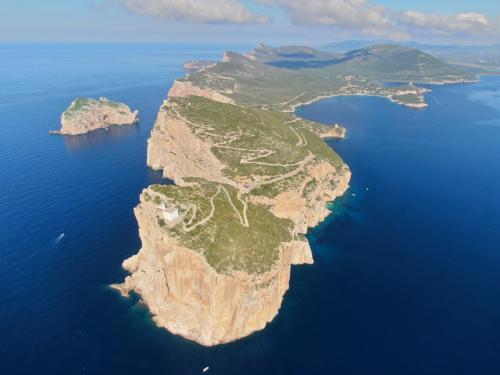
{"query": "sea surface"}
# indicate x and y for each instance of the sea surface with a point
(406, 277)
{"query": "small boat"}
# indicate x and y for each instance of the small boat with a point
(353, 194)
(206, 369)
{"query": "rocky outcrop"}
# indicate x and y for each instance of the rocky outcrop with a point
(174, 148)
(195, 66)
(332, 131)
(307, 205)
(85, 115)
(183, 88)
(189, 298)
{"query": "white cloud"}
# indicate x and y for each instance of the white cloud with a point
(367, 18)
(358, 15)
(203, 11)
(470, 23)
(332, 12)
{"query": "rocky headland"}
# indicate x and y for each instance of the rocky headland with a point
(248, 185)
(250, 178)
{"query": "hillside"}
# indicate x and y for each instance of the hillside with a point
(250, 179)
(385, 62)
(289, 56)
(397, 63)
(484, 57)
(263, 78)
(249, 183)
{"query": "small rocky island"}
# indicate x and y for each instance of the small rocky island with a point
(86, 114)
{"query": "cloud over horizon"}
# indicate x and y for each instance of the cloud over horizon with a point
(358, 17)
(204, 11)
(469, 23)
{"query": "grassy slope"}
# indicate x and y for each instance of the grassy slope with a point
(85, 104)
(258, 83)
(246, 132)
(254, 129)
(226, 244)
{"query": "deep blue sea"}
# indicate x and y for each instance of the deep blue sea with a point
(407, 272)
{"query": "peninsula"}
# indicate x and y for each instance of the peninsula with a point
(250, 178)
(86, 114)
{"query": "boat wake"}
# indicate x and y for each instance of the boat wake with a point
(50, 246)
(57, 240)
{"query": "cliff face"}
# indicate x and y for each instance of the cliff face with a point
(183, 291)
(189, 298)
(85, 115)
(196, 66)
(307, 205)
(174, 148)
(186, 88)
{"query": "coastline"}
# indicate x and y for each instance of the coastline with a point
(294, 107)
(167, 265)
(187, 278)
(423, 105)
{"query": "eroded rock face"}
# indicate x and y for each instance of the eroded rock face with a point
(307, 205)
(174, 148)
(184, 293)
(195, 66)
(186, 88)
(189, 298)
(85, 115)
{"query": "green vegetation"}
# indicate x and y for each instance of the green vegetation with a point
(288, 184)
(224, 239)
(280, 78)
(80, 103)
(408, 98)
(268, 54)
(161, 222)
(253, 142)
(266, 151)
(310, 187)
(83, 104)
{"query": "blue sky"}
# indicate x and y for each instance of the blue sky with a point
(249, 21)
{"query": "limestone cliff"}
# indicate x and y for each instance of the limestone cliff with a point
(195, 66)
(182, 88)
(250, 179)
(85, 115)
(307, 205)
(209, 298)
(189, 298)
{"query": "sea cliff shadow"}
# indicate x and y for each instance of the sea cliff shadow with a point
(113, 133)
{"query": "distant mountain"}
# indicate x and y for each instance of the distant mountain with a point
(266, 54)
(349, 45)
(393, 62)
(385, 62)
(485, 56)
(284, 77)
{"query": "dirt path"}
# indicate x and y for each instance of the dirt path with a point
(301, 167)
(208, 217)
(243, 218)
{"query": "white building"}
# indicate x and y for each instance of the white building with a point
(170, 213)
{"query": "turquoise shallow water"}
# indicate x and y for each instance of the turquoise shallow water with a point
(406, 279)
